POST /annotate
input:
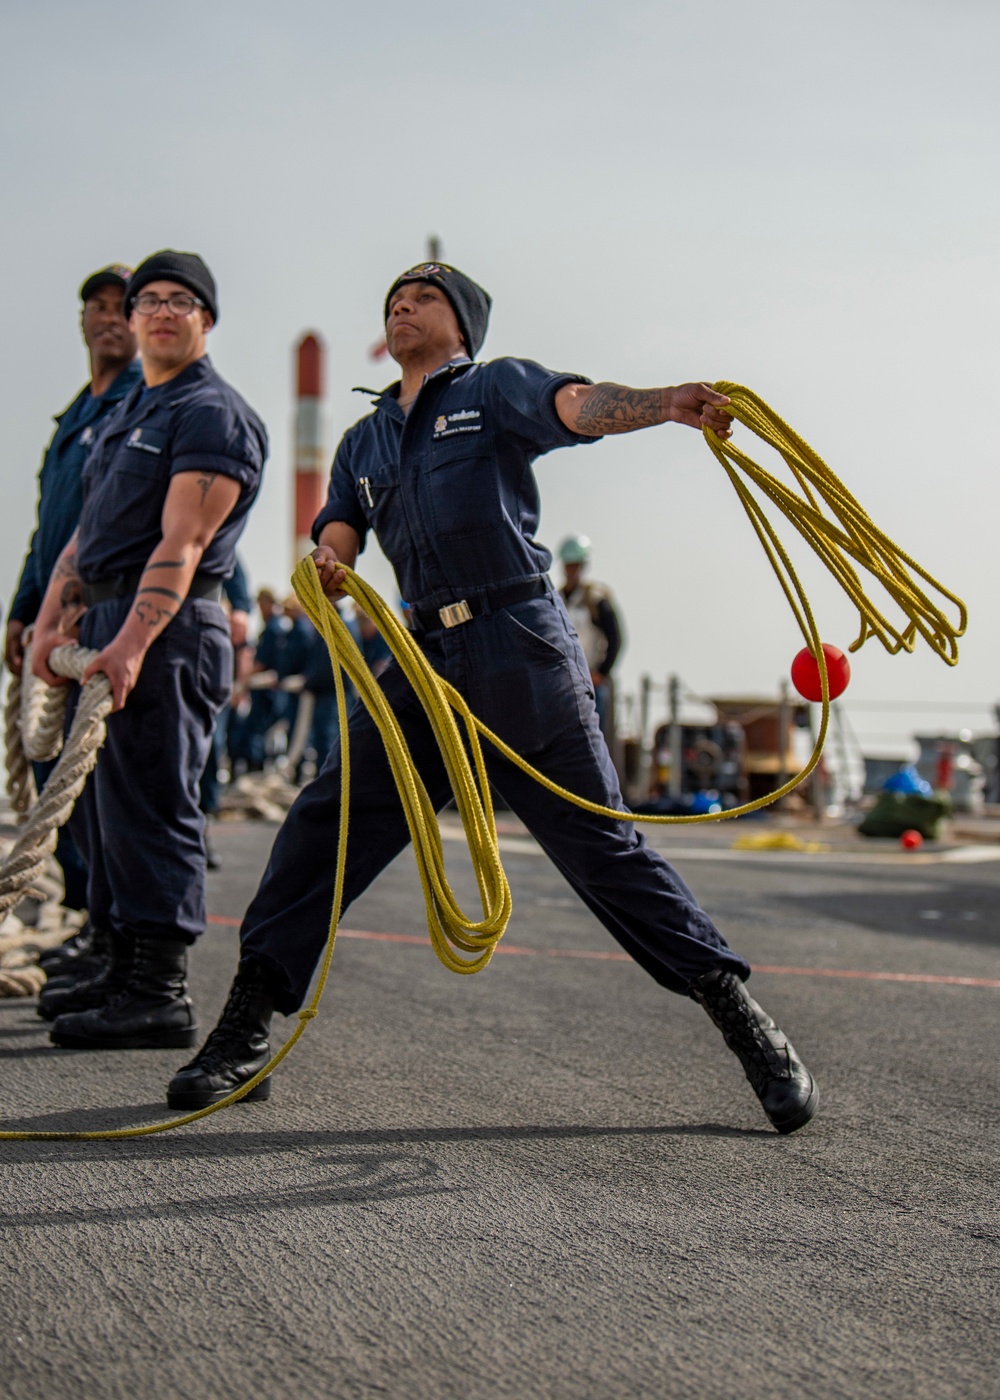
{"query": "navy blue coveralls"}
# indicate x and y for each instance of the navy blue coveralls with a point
(450, 492)
(60, 496)
(139, 821)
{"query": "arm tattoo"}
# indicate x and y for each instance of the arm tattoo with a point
(152, 615)
(66, 567)
(205, 482)
(167, 593)
(71, 604)
(165, 564)
(612, 408)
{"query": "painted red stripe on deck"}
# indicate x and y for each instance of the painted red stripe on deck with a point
(512, 950)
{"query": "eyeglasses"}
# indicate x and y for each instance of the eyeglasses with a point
(178, 303)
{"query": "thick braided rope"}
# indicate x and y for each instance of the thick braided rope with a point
(453, 932)
(33, 731)
(43, 711)
(37, 840)
(20, 779)
(25, 981)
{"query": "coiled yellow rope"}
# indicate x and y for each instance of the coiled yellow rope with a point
(846, 534)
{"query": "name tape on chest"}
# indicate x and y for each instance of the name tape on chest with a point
(135, 439)
(463, 420)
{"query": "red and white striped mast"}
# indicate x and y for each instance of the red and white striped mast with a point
(311, 465)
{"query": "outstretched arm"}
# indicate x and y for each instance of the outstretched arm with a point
(596, 409)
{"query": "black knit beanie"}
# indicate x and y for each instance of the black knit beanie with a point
(469, 302)
(168, 266)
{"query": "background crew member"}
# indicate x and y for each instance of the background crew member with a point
(114, 370)
(264, 704)
(167, 489)
(239, 605)
(594, 620)
(324, 729)
(442, 472)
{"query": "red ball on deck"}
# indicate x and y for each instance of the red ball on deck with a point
(806, 678)
(911, 840)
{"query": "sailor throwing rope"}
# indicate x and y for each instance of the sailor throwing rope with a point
(441, 470)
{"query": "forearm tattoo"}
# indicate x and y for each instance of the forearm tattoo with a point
(167, 593)
(71, 604)
(152, 614)
(66, 567)
(612, 408)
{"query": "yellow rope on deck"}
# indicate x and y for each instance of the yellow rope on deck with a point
(823, 511)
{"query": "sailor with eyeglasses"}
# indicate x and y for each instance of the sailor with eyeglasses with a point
(167, 488)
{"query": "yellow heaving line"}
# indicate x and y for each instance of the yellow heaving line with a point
(823, 511)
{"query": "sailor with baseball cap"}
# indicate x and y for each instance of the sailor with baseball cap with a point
(114, 371)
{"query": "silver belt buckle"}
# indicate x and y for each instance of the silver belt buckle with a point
(455, 613)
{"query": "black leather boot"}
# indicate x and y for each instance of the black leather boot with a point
(151, 1012)
(83, 955)
(780, 1080)
(235, 1050)
(66, 994)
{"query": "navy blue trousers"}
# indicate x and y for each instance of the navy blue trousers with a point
(524, 675)
(138, 821)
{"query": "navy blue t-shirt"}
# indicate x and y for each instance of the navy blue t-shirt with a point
(60, 487)
(194, 423)
(449, 490)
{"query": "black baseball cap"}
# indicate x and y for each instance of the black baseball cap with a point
(114, 275)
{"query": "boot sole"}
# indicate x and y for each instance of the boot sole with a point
(180, 1039)
(807, 1111)
(206, 1099)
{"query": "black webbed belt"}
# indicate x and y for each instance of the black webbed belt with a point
(486, 600)
(124, 585)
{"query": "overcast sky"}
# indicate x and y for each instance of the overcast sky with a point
(801, 198)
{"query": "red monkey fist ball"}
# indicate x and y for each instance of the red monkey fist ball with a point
(805, 673)
(911, 840)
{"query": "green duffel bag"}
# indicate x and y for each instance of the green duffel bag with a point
(896, 812)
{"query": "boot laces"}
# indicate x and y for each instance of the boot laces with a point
(762, 1059)
(231, 1034)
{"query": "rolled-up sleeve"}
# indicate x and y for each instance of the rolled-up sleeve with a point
(217, 439)
(524, 402)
